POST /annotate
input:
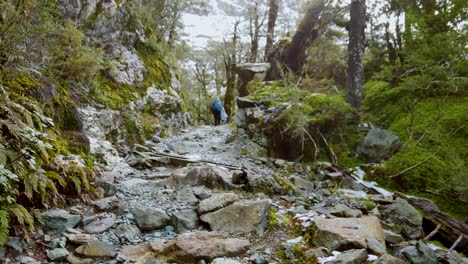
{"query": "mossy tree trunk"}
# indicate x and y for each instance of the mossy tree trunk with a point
(230, 70)
(356, 52)
(291, 56)
(272, 16)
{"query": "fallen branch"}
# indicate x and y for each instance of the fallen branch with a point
(428, 237)
(456, 243)
(315, 145)
(416, 165)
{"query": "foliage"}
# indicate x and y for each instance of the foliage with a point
(26, 162)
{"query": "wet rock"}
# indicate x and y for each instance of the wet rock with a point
(96, 249)
(378, 145)
(129, 232)
(101, 224)
(216, 202)
(353, 256)
(150, 218)
(347, 233)
(57, 254)
(342, 210)
(243, 217)
(420, 254)
(56, 221)
(403, 218)
(184, 220)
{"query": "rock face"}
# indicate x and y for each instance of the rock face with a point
(56, 221)
(347, 233)
(150, 218)
(240, 217)
(403, 218)
(250, 72)
(378, 145)
(193, 247)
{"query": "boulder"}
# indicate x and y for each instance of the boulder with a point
(420, 254)
(208, 176)
(243, 102)
(56, 221)
(216, 202)
(150, 218)
(201, 245)
(347, 233)
(224, 261)
(392, 238)
(389, 259)
(319, 252)
(96, 249)
(135, 251)
(403, 218)
(15, 243)
(186, 196)
(248, 72)
(241, 217)
(80, 239)
(378, 145)
(184, 220)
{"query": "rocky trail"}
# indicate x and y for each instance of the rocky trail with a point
(195, 198)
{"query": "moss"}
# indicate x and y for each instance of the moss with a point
(272, 218)
(434, 153)
(23, 83)
(111, 94)
(158, 70)
(287, 186)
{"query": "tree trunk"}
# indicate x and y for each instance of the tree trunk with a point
(291, 56)
(356, 52)
(272, 16)
(230, 67)
(254, 34)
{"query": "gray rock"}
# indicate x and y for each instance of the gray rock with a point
(224, 261)
(80, 239)
(15, 243)
(57, 254)
(59, 242)
(248, 72)
(129, 232)
(101, 224)
(133, 182)
(216, 202)
(389, 259)
(420, 254)
(239, 177)
(334, 176)
(150, 218)
(376, 246)
(378, 145)
(303, 184)
(96, 249)
(342, 210)
(353, 256)
(346, 233)
(56, 221)
(184, 220)
(317, 252)
(186, 196)
(392, 238)
(258, 259)
(404, 218)
(109, 188)
(243, 217)
(27, 260)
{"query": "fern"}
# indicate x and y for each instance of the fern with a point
(4, 226)
(52, 175)
(76, 182)
(22, 215)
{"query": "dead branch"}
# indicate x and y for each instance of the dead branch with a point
(460, 238)
(315, 145)
(428, 237)
(416, 165)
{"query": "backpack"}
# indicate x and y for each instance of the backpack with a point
(216, 107)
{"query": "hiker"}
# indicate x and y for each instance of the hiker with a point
(216, 108)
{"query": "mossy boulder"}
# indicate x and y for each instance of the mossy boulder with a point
(378, 145)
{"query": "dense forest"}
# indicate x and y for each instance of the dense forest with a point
(372, 88)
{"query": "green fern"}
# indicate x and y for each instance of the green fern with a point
(4, 226)
(22, 215)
